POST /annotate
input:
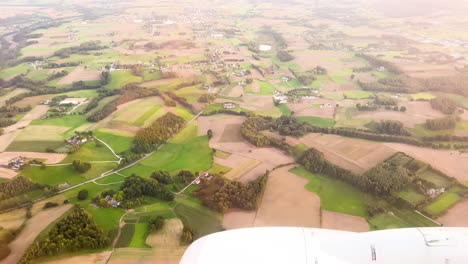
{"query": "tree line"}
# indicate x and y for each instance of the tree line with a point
(448, 122)
(289, 126)
(149, 138)
(83, 48)
(220, 195)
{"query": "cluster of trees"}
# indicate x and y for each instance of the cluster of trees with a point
(77, 231)
(53, 65)
(206, 98)
(250, 129)
(102, 93)
(57, 75)
(105, 77)
(156, 223)
(83, 48)
(450, 84)
(149, 138)
(17, 186)
(363, 69)
(378, 86)
(82, 195)
(444, 104)
(391, 127)
(221, 195)
(180, 100)
(162, 177)
(284, 56)
(306, 79)
(387, 177)
(366, 107)
(276, 36)
(135, 187)
(377, 63)
(81, 166)
(138, 70)
(384, 100)
(448, 122)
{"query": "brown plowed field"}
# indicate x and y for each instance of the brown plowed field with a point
(352, 154)
(305, 108)
(344, 222)
(456, 216)
(80, 74)
(287, 203)
(417, 112)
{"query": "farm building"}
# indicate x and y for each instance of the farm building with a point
(16, 163)
(111, 201)
(229, 105)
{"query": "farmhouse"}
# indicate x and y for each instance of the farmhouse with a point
(111, 201)
(16, 163)
(280, 97)
(435, 192)
(72, 101)
(264, 47)
(229, 105)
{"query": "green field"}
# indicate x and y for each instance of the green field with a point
(412, 196)
(140, 234)
(317, 121)
(444, 202)
(21, 68)
(48, 133)
(284, 109)
(126, 235)
(358, 94)
(387, 221)
(266, 88)
(335, 195)
(198, 218)
(118, 143)
(113, 178)
(91, 151)
(422, 96)
(56, 175)
(81, 93)
(121, 78)
(185, 151)
(434, 177)
(219, 169)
